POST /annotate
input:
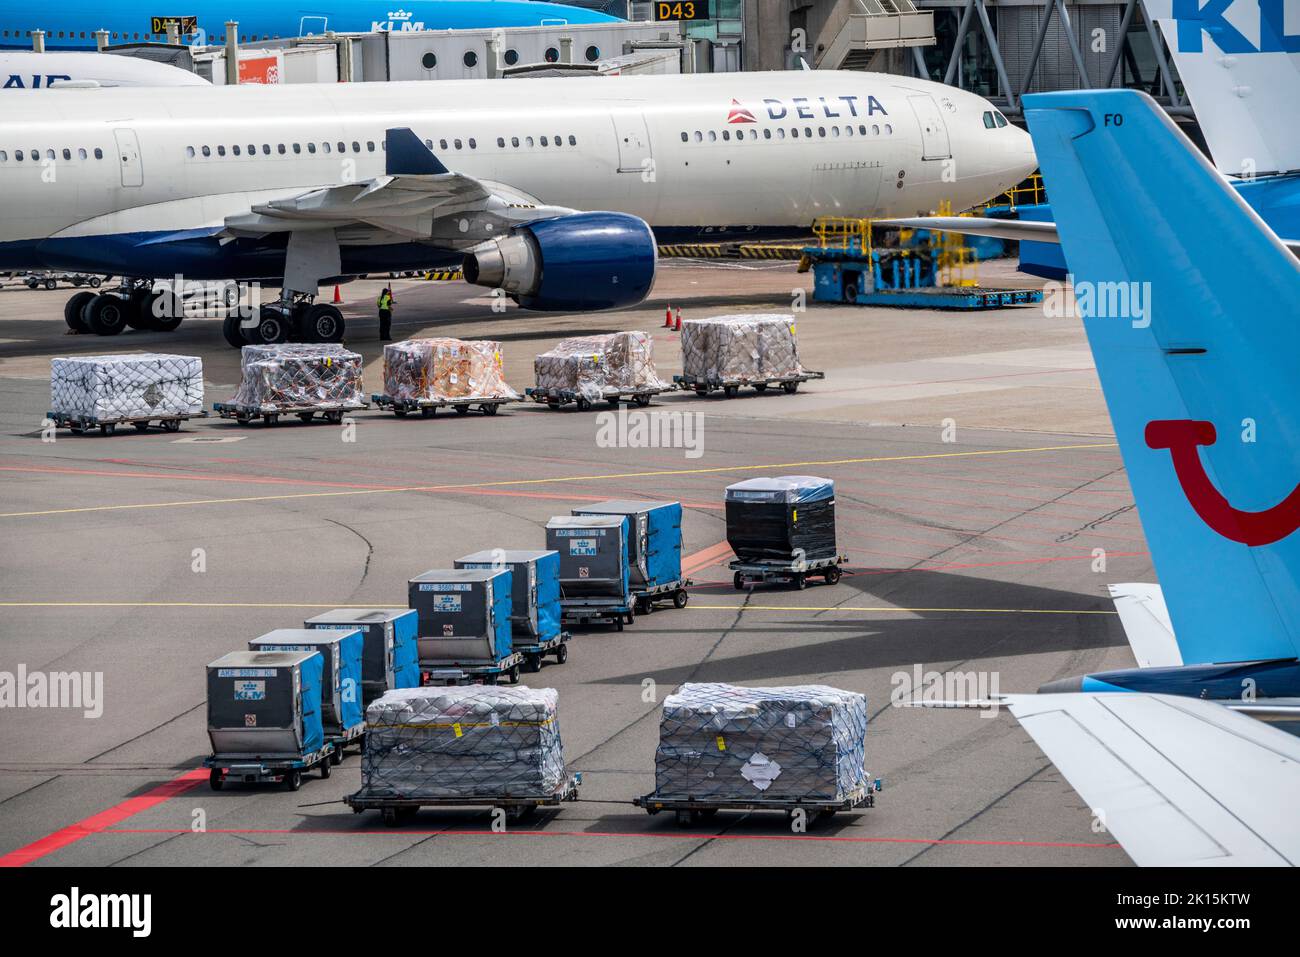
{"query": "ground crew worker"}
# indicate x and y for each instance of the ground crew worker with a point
(385, 304)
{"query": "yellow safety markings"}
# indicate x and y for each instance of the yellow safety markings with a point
(733, 250)
(694, 250)
(514, 483)
(443, 275)
(696, 606)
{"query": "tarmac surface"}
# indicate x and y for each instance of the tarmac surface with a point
(981, 500)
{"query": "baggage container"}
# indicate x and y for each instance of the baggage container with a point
(389, 657)
(340, 651)
(534, 590)
(265, 703)
(593, 556)
(463, 614)
(654, 541)
(786, 519)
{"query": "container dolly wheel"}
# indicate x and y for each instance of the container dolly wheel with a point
(562, 654)
(336, 756)
(489, 408)
(833, 574)
(731, 391)
(800, 581)
(790, 387)
(293, 779)
(760, 386)
(391, 817)
(680, 598)
(641, 400)
(326, 765)
(631, 615)
(141, 426)
(461, 409)
(513, 675)
(215, 779)
(306, 416)
(738, 582)
(533, 664)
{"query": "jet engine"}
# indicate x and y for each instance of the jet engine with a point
(584, 261)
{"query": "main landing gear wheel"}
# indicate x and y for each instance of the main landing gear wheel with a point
(272, 327)
(164, 311)
(233, 331)
(138, 314)
(72, 310)
(323, 323)
(105, 315)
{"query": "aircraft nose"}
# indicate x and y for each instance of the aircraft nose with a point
(1023, 160)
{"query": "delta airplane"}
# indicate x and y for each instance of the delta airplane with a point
(546, 189)
(25, 70)
(71, 24)
(1240, 69)
(1205, 402)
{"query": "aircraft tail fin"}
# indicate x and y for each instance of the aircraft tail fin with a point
(1239, 77)
(1195, 331)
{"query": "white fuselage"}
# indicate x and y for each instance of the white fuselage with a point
(676, 151)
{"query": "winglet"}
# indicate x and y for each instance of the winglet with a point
(408, 156)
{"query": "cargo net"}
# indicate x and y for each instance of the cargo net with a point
(745, 348)
(473, 741)
(443, 369)
(595, 367)
(724, 742)
(292, 376)
(127, 386)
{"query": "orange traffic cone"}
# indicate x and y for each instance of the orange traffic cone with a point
(337, 297)
(678, 326)
(668, 318)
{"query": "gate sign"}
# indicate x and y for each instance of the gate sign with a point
(187, 25)
(681, 9)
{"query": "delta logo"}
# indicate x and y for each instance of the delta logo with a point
(809, 108)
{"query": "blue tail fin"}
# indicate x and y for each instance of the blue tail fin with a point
(1201, 371)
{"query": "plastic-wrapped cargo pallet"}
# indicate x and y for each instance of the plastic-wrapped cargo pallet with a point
(126, 386)
(470, 741)
(782, 518)
(594, 367)
(740, 348)
(725, 742)
(293, 375)
(438, 369)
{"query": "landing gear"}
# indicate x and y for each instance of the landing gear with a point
(162, 310)
(138, 314)
(232, 329)
(295, 319)
(105, 314)
(272, 326)
(322, 323)
(72, 311)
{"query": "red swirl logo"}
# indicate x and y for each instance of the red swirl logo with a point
(1181, 437)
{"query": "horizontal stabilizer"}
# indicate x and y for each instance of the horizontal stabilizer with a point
(1177, 781)
(1146, 623)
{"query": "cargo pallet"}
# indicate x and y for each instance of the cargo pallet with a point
(534, 654)
(555, 398)
(797, 573)
(81, 424)
(731, 387)
(597, 611)
(428, 408)
(399, 810)
(433, 673)
(332, 413)
(644, 599)
(256, 770)
(693, 810)
(354, 736)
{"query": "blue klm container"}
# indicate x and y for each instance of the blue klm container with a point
(464, 615)
(390, 658)
(654, 541)
(593, 557)
(340, 652)
(265, 705)
(534, 590)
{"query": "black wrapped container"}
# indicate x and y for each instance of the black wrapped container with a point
(786, 519)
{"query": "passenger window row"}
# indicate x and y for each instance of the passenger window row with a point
(36, 155)
(808, 132)
(282, 149)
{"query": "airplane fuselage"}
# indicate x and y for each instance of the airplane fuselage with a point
(139, 182)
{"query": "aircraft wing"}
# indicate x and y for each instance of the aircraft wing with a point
(417, 198)
(1146, 623)
(1018, 229)
(1177, 781)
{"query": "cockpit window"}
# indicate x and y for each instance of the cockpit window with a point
(989, 122)
(1002, 120)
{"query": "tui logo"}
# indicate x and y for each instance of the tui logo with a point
(1181, 437)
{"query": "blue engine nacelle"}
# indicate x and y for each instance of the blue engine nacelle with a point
(574, 263)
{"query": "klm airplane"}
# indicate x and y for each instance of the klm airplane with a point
(71, 25)
(1186, 757)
